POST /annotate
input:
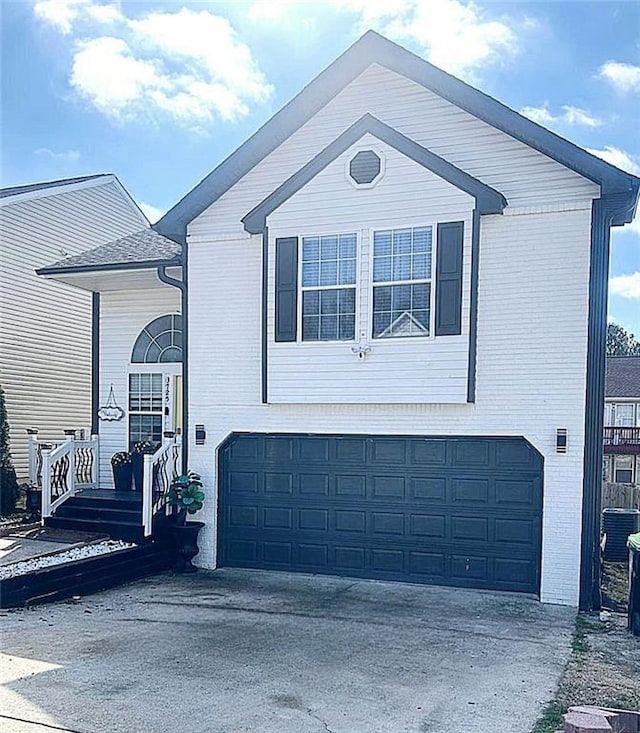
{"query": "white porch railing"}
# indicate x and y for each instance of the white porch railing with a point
(160, 469)
(62, 470)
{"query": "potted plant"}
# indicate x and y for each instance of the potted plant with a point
(185, 497)
(121, 468)
(140, 449)
(33, 503)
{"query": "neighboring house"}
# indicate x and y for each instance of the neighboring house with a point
(45, 327)
(622, 420)
(391, 340)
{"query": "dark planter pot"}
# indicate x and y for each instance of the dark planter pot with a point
(34, 504)
(185, 546)
(122, 476)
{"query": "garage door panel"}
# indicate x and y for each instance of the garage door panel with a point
(313, 484)
(453, 511)
(428, 452)
(427, 489)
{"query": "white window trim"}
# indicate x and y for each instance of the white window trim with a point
(301, 289)
(363, 332)
(432, 295)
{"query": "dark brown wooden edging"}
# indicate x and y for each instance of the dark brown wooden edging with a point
(83, 577)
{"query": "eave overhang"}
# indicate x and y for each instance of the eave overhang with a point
(370, 49)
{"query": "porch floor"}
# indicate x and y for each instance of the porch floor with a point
(110, 495)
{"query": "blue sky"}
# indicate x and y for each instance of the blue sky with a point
(159, 93)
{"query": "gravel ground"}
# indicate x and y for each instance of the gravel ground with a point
(76, 553)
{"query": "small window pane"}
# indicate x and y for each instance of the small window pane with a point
(328, 328)
(382, 243)
(310, 249)
(402, 241)
(329, 248)
(171, 355)
(347, 300)
(328, 302)
(347, 272)
(310, 274)
(310, 328)
(161, 324)
(347, 327)
(347, 246)
(311, 302)
(329, 272)
(381, 269)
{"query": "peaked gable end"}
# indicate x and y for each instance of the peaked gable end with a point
(488, 201)
(374, 49)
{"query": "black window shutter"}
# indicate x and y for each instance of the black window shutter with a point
(449, 279)
(286, 288)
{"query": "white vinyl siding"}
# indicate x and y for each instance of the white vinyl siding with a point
(524, 176)
(525, 383)
(395, 370)
(45, 358)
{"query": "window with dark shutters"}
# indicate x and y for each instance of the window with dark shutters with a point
(286, 295)
(449, 278)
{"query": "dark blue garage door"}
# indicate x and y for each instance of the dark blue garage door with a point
(461, 511)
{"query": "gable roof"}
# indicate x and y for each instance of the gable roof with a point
(622, 376)
(33, 187)
(145, 248)
(369, 49)
(488, 200)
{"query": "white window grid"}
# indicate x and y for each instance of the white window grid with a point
(320, 287)
(431, 280)
(145, 399)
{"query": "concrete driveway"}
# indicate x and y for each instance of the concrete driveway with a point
(255, 652)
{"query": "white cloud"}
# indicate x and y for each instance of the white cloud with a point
(65, 156)
(623, 77)
(190, 65)
(59, 13)
(569, 116)
(626, 286)
(618, 157)
(453, 35)
(153, 213)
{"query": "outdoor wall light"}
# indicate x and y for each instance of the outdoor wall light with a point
(561, 440)
(201, 434)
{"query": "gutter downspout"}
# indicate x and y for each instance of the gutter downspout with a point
(182, 285)
(611, 209)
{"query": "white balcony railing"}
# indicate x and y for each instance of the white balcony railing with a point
(62, 470)
(160, 469)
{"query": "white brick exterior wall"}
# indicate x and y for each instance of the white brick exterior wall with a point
(532, 327)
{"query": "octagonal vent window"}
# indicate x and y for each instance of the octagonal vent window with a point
(365, 167)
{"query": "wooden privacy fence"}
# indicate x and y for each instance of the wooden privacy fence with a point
(620, 496)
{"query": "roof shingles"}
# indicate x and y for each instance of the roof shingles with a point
(623, 376)
(137, 248)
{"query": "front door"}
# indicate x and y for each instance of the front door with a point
(155, 399)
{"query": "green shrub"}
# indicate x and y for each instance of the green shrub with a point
(9, 490)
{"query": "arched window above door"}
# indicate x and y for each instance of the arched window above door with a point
(159, 342)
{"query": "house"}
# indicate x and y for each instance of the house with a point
(382, 333)
(622, 420)
(45, 358)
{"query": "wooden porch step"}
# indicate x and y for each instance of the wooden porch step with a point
(127, 531)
